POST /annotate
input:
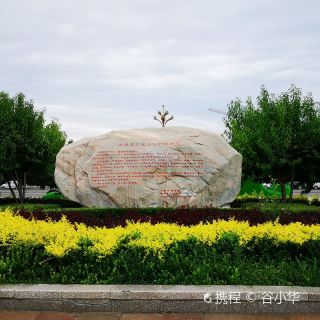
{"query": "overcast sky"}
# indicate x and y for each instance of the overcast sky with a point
(111, 64)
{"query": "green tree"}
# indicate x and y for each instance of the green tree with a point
(27, 145)
(278, 137)
(54, 139)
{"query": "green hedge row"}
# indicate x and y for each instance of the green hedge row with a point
(237, 203)
(188, 262)
(240, 200)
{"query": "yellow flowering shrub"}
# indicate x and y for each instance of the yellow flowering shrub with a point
(60, 237)
(57, 238)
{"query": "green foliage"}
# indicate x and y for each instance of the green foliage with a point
(53, 140)
(315, 201)
(261, 197)
(260, 262)
(28, 146)
(279, 207)
(30, 206)
(301, 199)
(249, 187)
(41, 203)
(21, 133)
(53, 195)
(278, 138)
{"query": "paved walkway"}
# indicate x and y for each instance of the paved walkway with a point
(9, 315)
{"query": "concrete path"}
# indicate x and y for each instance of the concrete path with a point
(151, 316)
(160, 300)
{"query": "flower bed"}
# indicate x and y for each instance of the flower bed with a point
(221, 252)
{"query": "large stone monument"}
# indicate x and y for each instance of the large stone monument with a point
(163, 167)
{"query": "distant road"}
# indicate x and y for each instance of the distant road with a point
(31, 192)
(310, 194)
(35, 192)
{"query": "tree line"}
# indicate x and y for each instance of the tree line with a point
(278, 137)
(28, 145)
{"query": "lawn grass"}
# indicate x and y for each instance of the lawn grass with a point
(278, 207)
(275, 207)
(31, 206)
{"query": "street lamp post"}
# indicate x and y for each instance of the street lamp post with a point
(217, 111)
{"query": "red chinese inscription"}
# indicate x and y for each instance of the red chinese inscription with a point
(130, 166)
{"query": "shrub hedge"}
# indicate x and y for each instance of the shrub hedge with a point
(260, 198)
(185, 262)
(237, 203)
(224, 252)
(117, 217)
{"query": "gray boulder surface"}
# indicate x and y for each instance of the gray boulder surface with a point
(150, 167)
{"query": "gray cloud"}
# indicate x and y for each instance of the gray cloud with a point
(101, 65)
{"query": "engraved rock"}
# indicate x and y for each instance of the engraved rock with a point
(162, 167)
